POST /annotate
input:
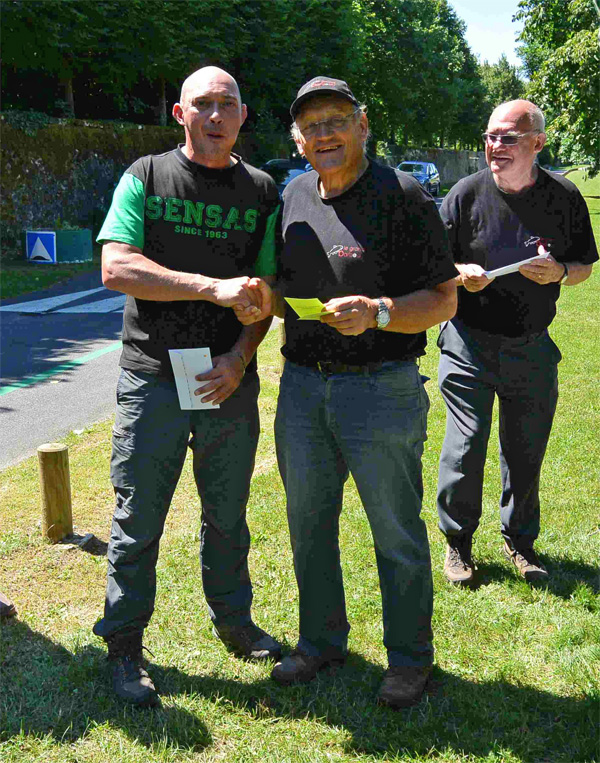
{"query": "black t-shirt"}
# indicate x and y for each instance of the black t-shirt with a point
(491, 228)
(381, 237)
(192, 219)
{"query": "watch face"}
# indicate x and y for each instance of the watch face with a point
(383, 316)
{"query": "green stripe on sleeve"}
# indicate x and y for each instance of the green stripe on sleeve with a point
(125, 219)
(266, 264)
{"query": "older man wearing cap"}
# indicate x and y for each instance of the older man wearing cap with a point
(369, 243)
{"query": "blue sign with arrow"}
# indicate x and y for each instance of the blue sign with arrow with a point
(41, 246)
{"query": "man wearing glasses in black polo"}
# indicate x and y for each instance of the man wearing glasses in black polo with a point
(368, 242)
(498, 342)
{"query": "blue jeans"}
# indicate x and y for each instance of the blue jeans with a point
(374, 426)
(475, 367)
(150, 440)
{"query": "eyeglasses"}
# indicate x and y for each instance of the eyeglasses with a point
(330, 125)
(506, 140)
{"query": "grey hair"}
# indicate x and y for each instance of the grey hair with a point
(536, 118)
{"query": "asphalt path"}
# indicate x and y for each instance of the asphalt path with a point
(59, 363)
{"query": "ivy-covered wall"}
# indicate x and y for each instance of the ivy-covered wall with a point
(64, 175)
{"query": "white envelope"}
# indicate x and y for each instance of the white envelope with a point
(186, 365)
(512, 268)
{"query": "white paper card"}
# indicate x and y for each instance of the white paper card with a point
(511, 268)
(186, 365)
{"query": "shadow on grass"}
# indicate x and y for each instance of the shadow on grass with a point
(565, 575)
(65, 695)
(477, 719)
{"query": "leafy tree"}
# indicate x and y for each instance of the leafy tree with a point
(52, 37)
(501, 82)
(561, 54)
(417, 73)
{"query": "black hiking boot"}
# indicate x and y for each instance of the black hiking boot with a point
(248, 641)
(130, 679)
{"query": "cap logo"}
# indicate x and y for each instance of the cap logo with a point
(322, 83)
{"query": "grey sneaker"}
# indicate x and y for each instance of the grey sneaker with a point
(248, 641)
(403, 686)
(299, 668)
(130, 679)
(527, 563)
(458, 565)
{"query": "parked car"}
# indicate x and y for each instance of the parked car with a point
(426, 173)
(284, 170)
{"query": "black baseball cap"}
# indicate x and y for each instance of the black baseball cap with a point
(321, 85)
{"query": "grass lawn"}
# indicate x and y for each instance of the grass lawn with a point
(589, 187)
(517, 673)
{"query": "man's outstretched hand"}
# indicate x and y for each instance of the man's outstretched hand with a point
(256, 304)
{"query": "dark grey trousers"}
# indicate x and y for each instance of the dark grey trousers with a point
(474, 368)
(150, 440)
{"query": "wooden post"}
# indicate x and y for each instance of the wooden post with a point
(55, 486)
(281, 343)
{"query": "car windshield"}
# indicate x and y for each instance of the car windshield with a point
(410, 167)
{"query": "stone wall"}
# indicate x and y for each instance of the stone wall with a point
(64, 175)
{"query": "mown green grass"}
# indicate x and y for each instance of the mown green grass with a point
(517, 673)
(587, 185)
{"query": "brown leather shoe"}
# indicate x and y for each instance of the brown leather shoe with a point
(403, 686)
(459, 567)
(7, 608)
(527, 563)
(301, 668)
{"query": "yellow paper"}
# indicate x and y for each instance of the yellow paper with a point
(307, 309)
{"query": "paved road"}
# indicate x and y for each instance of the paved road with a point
(60, 350)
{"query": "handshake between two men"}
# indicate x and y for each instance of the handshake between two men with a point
(351, 315)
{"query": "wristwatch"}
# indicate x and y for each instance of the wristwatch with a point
(565, 275)
(383, 314)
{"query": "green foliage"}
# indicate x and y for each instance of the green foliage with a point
(562, 56)
(418, 76)
(28, 122)
(407, 59)
(502, 83)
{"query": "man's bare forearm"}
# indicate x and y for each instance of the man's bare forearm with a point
(126, 269)
(578, 273)
(422, 309)
(277, 303)
(250, 338)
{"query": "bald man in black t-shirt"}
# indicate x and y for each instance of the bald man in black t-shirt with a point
(185, 235)
(498, 342)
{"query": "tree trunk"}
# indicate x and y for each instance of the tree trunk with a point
(67, 84)
(162, 103)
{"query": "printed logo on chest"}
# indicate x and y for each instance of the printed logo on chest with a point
(341, 251)
(199, 219)
(537, 240)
